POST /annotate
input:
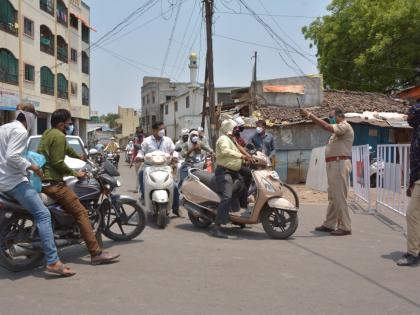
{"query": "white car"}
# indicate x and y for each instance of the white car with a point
(76, 143)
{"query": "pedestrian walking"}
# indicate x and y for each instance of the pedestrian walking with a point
(413, 211)
(338, 159)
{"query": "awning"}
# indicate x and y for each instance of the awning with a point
(83, 21)
(296, 89)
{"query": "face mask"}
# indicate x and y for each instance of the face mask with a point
(259, 130)
(161, 133)
(332, 120)
(30, 120)
(194, 139)
(69, 130)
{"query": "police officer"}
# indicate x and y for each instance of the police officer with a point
(338, 159)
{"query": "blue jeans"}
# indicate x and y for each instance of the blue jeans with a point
(183, 173)
(28, 198)
(175, 202)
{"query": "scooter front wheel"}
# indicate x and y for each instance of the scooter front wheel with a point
(278, 223)
(162, 215)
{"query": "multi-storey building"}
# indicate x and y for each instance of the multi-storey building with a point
(44, 59)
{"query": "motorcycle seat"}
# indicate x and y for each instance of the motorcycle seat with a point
(7, 197)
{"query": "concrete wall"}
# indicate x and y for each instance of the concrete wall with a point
(129, 120)
(313, 92)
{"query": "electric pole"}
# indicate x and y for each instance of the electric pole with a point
(254, 85)
(209, 65)
(203, 114)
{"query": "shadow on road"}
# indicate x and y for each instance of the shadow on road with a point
(395, 256)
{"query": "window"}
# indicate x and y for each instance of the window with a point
(168, 97)
(46, 40)
(73, 55)
(166, 109)
(8, 17)
(176, 106)
(62, 49)
(74, 21)
(187, 102)
(153, 97)
(9, 67)
(85, 94)
(153, 119)
(147, 99)
(85, 33)
(143, 100)
(29, 73)
(62, 13)
(47, 81)
(62, 86)
(73, 88)
(85, 62)
(28, 28)
(47, 6)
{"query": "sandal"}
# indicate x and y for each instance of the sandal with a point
(62, 270)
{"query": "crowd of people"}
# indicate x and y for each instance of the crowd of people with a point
(231, 157)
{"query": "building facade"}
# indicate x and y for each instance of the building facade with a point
(45, 59)
(128, 120)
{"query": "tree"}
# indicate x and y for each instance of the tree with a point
(368, 45)
(110, 119)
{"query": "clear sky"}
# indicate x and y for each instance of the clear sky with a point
(143, 44)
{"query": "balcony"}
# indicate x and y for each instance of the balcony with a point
(47, 90)
(62, 13)
(8, 17)
(62, 49)
(63, 94)
(46, 41)
(9, 28)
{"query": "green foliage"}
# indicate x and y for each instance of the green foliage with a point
(110, 119)
(368, 45)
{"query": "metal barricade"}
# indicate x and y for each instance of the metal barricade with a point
(392, 177)
(361, 174)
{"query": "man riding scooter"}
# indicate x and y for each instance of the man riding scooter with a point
(158, 142)
(229, 168)
(113, 147)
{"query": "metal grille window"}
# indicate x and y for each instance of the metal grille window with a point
(9, 67)
(29, 73)
(62, 86)
(85, 94)
(47, 81)
(28, 28)
(62, 13)
(8, 17)
(73, 55)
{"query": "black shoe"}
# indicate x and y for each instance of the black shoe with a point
(216, 232)
(408, 260)
(323, 229)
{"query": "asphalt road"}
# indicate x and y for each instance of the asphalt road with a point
(182, 270)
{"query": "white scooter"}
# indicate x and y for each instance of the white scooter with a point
(158, 185)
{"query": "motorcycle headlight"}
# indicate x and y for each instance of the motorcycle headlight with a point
(159, 177)
(268, 186)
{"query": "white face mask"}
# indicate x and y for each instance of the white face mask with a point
(194, 139)
(161, 133)
(259, 129)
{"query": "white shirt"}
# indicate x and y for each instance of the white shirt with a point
(13, 167)
(151, 144)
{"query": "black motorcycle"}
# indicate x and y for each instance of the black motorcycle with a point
(118, 217)
(113, 157)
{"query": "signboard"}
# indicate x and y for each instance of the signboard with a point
(8, 99)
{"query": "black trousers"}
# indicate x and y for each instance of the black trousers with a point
(247, 178)
(225, 180)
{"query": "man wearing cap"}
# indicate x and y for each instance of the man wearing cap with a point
(113, 147)
(413, 211)
(338, 159)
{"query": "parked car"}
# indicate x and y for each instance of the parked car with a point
(75, 142)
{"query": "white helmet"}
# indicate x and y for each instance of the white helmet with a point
(239, 121)
(185, 132)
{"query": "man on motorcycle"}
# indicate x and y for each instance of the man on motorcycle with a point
(54, 147)
(158, 142)
(183, 139)
(237, 131)
(13, 182)
(113, 147)
(191, 148)
(129, 151)
(229, 168)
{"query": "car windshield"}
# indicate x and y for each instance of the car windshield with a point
(72, 142)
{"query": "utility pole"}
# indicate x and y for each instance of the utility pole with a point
(209, 64)
(254, 85)
(203, 114)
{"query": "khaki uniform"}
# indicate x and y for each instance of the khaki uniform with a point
(413, 221)
(338, 171)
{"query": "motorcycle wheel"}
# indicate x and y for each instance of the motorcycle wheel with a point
(15, 226)
(162, 217)
(279, 224)
(200, 223)
(126, 226)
